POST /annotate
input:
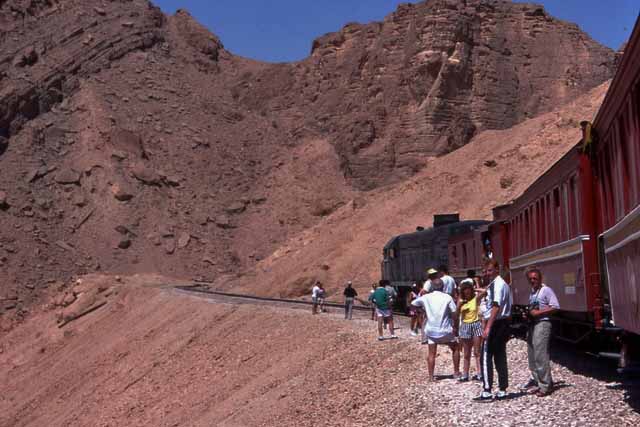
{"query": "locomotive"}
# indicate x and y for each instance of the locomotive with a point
(406, 257)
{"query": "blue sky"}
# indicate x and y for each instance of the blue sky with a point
(283, 30)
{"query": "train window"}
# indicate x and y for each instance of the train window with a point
(557, 223)
(573, 211)
(543, 222)
(474, 254)
(464, 254)
(606, 187)
(518, 236)
(634, 141)
(616, 151)
(538, 211)
(521, 234)
(392, 253)
(548, 218)
(565, 211)
(514, 238)
(526, 231)
(532, 228)
(630, 172)
(632, 132)
(626, 157)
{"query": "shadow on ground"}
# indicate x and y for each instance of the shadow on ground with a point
(603, 369)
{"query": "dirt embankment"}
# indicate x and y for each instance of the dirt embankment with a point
(494, 168)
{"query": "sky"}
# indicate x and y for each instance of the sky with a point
(283, 30)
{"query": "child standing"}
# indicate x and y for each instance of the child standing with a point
(413, 311)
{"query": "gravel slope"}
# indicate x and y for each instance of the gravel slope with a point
(155, 357)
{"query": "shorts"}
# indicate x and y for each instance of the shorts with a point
(470, 330)
(383, 312)
(447, 339)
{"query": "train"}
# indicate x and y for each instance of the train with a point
(406, 257)
(579, 222)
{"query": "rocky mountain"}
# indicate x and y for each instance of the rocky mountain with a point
(131, 141)
(423, 82)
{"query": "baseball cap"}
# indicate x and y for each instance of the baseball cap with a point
(432, 271)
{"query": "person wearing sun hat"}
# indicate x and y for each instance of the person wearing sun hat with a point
(432, 274)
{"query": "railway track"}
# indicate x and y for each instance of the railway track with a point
(203, 291)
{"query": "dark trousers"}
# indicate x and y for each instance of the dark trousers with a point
(494, 350)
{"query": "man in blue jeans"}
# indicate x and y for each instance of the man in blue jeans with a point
(349, 296)
(496, 332)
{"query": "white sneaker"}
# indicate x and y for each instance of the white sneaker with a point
(484, 396)
(393, 336)
(501, 394)
(413, 334)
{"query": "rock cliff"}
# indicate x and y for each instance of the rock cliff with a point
(131, 141)
(428, 78)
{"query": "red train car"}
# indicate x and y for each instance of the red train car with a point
(580, 220)
(551, 226)
(467, 251)
(616, 163)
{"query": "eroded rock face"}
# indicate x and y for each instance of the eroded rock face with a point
(197, 36)
(429, 77)
(112, 113)
(77, 41)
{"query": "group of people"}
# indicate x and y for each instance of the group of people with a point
(474, 317)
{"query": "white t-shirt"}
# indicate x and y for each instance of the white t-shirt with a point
(315, 291)
(449, 284)
(427, 286)
(499, 293)
(440, 308)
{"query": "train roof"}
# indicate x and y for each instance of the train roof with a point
(415, 238)
(627, 73)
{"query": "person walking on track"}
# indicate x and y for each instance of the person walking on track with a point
(381, 299)
(315, 292)
(349, 297)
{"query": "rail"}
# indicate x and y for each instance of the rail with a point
(199, 289)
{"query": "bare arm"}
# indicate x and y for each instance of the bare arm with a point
(481, 293)
(537, 312)
(492, 318)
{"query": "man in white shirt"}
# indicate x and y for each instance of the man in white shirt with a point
(315, 294)
(496, 332)
(449, 286)
(440, 325)
(432, 274)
